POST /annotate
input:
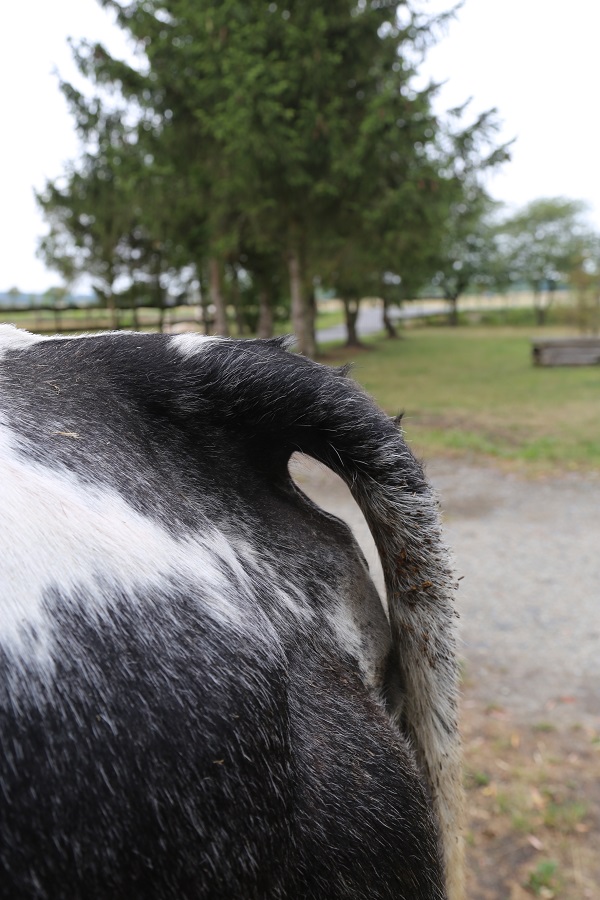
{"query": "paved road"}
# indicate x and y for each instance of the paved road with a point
(369, 322)
(369, 319)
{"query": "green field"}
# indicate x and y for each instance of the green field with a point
(473, 390)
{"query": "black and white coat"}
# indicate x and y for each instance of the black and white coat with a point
(201, 695)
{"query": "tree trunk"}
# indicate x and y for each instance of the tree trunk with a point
(203, 301)
(216, 297)
(312, 308)
(351, 310)
(301, 313)
(265, 315)
(550, 298)
(538, 308)
(453, 312)
(237, 302)
(595, 328)
(159, 294)
(160, 298)
(206, 320)
(390, 328)
(112, 311)
(582, 317)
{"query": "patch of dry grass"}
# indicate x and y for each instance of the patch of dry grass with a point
(533, 801)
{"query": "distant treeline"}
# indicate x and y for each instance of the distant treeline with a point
(253, 154)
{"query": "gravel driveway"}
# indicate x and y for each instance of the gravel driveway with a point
(529, 601)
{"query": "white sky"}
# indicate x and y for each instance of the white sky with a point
(535, 60)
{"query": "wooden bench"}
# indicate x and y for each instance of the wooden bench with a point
(576, 351)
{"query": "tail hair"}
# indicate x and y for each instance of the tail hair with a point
(321, 412)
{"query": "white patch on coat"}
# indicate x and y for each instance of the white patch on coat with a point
(361, 629)
(57, 532)
(289, 597)
(191, 344)
(344, 628)
(12, 338)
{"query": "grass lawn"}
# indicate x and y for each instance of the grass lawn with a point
(475, 390)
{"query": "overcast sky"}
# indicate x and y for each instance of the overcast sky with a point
(535, 60)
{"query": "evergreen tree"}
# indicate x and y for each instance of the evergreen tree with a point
(263, 135)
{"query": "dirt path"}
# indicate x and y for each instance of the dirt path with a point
(529, 601)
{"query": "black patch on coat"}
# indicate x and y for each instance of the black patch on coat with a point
(168, 757)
